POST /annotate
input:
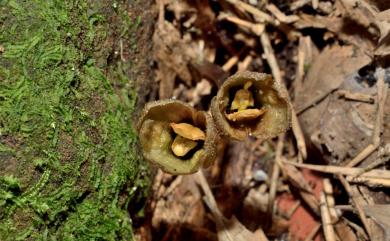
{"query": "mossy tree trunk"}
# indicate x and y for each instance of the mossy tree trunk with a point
(69, 165)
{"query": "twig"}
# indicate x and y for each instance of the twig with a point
(280, 15)
(262, 16)
(230, 63)
(300, 69)
(383, 157)
(293, 209)
(355, 96)
(357, 228)
(256, 28)
(328, 190)
(362, 155)
(314, 3)
(326, 219)
(313, 233)
(372, 182)
(270, 56)
(275, 174)
(315, 100)
(245, 63)
(356, 203)
(350, 171)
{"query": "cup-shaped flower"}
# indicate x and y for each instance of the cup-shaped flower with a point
(176, 137)
(251, 104)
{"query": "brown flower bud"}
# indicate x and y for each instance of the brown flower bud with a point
(176, 137)
(250, 103)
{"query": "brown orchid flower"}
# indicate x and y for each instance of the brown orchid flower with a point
(251, 104)
(176, 137)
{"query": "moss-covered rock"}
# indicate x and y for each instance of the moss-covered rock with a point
(69, 169)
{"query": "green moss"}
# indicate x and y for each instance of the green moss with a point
(69, 168)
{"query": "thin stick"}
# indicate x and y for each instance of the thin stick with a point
(270, 56)
(256, 28)
(262, 16)
(275, 174)
(362, 155)
(328, 190)
(300, 68)
(383, 157)
(357, 228)
(350, 171)
(230, 63)
(293, 209)
(280, 15)
(245, 63)
(355, 96)
(356, 203)
(326, 220)
(313, 233)
(315, 3)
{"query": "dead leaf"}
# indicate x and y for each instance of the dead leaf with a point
(381, 215)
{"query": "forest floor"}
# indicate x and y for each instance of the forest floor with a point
(327, 178)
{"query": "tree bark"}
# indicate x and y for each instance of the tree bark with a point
(70, 74)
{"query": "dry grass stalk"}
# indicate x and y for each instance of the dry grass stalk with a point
(280, 15)
(271, 59)
(242, 66)
(383, 157)
(328, 190)
(360, 232)
(228, 229)
(230, 63)
(256, 28)
(326, 219)
(355, 96)
(349, 171)
(356, 203)
(300, 68)
(275, 174)
(260, 15)
(313, 233)
(293, 209)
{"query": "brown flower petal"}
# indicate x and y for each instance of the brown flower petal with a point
(181, 146)
(245, 115)
(242, 100)
(188, 131)
(157, 137)
(267, 94)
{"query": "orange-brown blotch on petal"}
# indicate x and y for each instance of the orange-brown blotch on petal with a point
(181, 145)
(245, 115)
(188, 131)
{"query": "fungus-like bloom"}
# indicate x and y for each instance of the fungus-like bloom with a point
(250, 103)
(176, 137)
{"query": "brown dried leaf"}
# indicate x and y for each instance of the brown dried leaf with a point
(342, 64)
(381, 215)
(188, 131)
(181, 146)
(245, 115)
